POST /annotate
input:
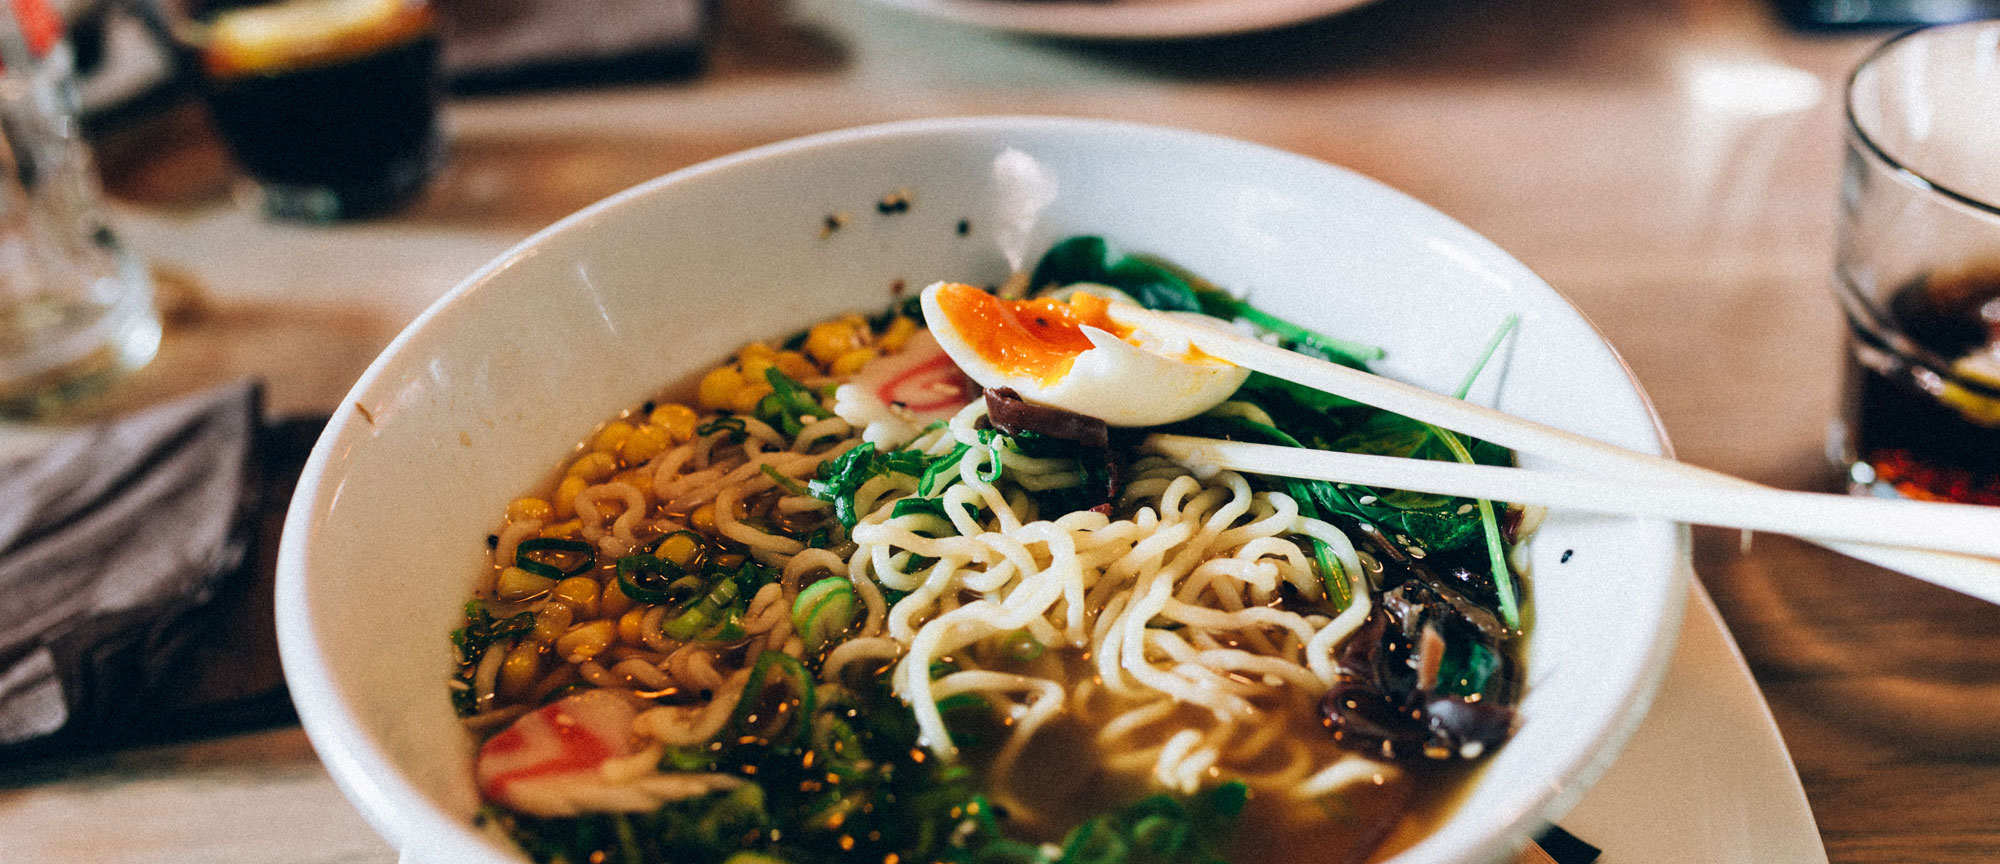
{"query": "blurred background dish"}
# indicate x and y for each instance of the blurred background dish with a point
(1128, 19)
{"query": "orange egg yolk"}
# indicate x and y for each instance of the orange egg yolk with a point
(1036, 339)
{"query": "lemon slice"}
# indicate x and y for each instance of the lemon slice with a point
(298, 33)
(1983, 368)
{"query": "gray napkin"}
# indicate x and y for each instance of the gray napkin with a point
(127, 557)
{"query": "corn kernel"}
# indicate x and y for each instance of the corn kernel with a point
(613, 601)
(551, 622)
(645, 443)
(851, 362)
(681, 548)
(753, 367)
(566, 491)
(718, 388)
(587, 640)
(529, 510)
(897, 334)
(629, 624)
(827, 340)
(756, 351)
(566, 530)
(611, 438)
(728, 561)
(516, 584)
(796, 366)
(703, 518)
(594, 467)
(746, 399)
(579, 592)
(519, 671)
(679, 421)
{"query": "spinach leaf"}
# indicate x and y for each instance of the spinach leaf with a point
(1154, 285)
(1076, 259)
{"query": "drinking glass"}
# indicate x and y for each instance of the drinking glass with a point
(1918, 267)
(330, 106)
(76, 311)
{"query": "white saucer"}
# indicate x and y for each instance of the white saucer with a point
(1707, 777)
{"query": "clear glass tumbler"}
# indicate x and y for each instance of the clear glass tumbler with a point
(76, 311)
(1918, 267)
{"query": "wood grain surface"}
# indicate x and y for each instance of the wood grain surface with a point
(1670, 165)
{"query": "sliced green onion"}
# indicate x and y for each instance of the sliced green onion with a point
(917, 506)
(995, 446)
(554, 546)
(730, 630)
(704, 613)
(735, 426)
(824, 610)
(1496, 549)
(790, 486)
(940, 467)
(546, 571)
(801, 682)
(656, 580)
(1022, 646)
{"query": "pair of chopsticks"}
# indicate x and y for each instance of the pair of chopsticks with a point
(1953, 545)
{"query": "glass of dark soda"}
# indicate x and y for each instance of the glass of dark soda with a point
(330, 106)
(1918, 267)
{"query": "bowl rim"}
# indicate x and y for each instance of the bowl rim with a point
(369, 778)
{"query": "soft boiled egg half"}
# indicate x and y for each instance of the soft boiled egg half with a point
(1071, 355)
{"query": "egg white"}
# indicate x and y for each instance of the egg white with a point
(1121, 383)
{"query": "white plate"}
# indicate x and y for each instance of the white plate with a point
(1707, 777)
(1128, 19)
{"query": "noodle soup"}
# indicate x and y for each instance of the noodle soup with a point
(840, 603)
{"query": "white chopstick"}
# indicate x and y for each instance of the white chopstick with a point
(1820, 516)
(1970, 574)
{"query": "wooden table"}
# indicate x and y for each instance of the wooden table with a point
(1670, 166)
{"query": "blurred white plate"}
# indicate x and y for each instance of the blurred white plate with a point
(1707, 776)
(1128, 19)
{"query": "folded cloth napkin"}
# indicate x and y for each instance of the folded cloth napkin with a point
(130, 577)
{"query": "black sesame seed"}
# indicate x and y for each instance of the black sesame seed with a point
(1566, 554)
(894, 202)
(648, 407)
(492, 541)
(964, 227)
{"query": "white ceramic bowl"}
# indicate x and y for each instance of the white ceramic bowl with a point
(479, 398)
